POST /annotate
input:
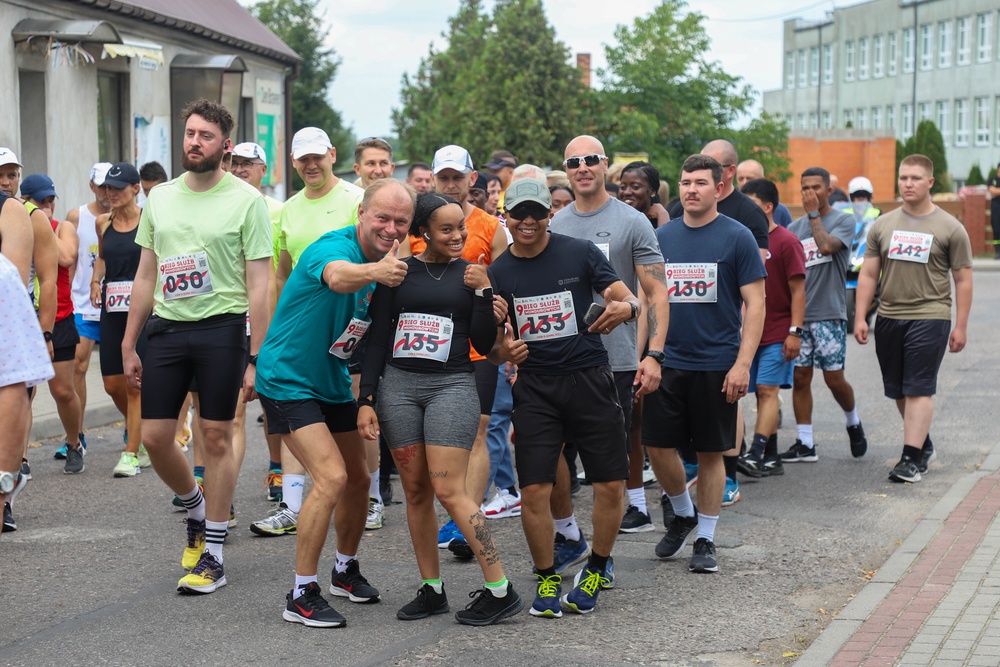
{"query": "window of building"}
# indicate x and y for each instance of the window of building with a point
(863, 58)
(813, 120)
(909, 49)
(828, 64)
(944, 44)
(964, 40)
(788, 121)
(906, 119)
(789, 69)
(801, 121)
(814, 66)
(828, 121)
(961, 122)
(878, 56)
(943, 109)
(802, 68)
(893, 53)
(926, 46)
(923, 112)
(111, 125)
(984, 37)
(876, 118)
(849, 61)
(862, 116)
(982, 121)
(848, 118)
(890, 117)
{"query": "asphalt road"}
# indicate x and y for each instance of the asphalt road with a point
(90, 576)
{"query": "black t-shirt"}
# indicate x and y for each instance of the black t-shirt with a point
(407, 326)
(547, 298)
(740, 208)
(995, 204)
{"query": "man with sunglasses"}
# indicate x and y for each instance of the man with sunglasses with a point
(627, 240)
(565, 389)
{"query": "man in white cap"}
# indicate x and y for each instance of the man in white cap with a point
(87, 318)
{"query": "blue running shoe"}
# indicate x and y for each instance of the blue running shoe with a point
(583, 598)
(690, 474)
(731, 495)
(546, 602)
(60, 454)
(568, 552)
(447, 533)
(607, 582)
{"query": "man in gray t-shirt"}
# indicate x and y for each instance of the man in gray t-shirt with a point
(826, 236)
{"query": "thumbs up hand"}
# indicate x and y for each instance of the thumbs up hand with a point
(390, 270)
(475, 274)
(511, 350)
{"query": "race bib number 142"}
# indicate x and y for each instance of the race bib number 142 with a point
(910, 246)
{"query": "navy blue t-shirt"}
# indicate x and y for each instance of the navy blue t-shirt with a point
(547, 297)
(705, 268)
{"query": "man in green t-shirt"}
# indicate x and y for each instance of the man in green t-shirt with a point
(206, 252)
(373, 160)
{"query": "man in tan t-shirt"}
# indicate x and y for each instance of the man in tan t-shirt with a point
(914, 248)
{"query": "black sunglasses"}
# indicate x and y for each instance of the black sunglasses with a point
(589, 160)
(524, 211)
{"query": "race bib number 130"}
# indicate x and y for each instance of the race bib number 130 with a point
(545, 317)
(910, 246)
(692, 283)
(185, 276)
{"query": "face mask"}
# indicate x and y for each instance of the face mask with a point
(859, 208)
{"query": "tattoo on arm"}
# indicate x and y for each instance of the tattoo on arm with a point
(489, 551)
(655, 271)
(653, 323)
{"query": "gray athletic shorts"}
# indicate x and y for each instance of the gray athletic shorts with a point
(429, 408)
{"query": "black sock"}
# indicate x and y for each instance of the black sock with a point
(912, 452)
(597, 563)
(730, 463)
(928, 445)
(771, 449)
(759, 445)
(547, 572)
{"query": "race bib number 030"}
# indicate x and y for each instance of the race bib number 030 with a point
(910, 246)
(545, 317)
(345, 345)
(692, 283)
(420, 336)
(117, 296)
(812, 254)
(185, 276)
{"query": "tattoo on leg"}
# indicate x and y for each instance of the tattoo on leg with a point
(404, 456)
(489, 551)
(437, 474)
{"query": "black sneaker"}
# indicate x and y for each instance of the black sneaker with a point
(461, 549)
(927, 454)
(25, 469)
(677, 535)
(905, 471)
(771, 467)
(487, 609)
(799, 453)
(668, 511)
(859, 443)
(74, 460)
(703, 559)
(9, 525)
(751, 464)
(635, 521)
(312, 609)
(352, 585)
(426, 603)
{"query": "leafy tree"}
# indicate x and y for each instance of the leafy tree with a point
(299, 24)
(927, 140)
(765, 139)
(975, 176)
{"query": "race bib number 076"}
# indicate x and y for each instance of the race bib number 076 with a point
(117, 296)
(910, 246)
(545, 317)
(692, 283)
(185, 276)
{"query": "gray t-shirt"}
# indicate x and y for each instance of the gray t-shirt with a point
(826, 276)
(626, 237)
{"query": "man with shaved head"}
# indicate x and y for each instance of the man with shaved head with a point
(751, 169)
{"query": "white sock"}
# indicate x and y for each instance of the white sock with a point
(805, 434)
(194, 502)
(567, 527)
(852, 416)
(373, 491)
(292, 487)
(343, 560)
(637, 497)
(301, 583)
(215, 534)
(682, 504)
(706, 526)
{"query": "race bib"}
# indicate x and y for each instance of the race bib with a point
(545, 317)
(420, 336)
(910, 246)
(692, 283)
(606, 249)
(348, 341)
(184, 276)
(812, 254)
(248, 325)
(117, 296)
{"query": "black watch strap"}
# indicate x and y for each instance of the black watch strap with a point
(47, 335)
(655, 354)
(253, 359)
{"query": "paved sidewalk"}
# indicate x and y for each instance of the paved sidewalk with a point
(101, 411)
(936, 601)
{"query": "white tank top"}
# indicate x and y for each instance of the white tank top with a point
(87, 231)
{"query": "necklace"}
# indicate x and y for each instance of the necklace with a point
(437, 278)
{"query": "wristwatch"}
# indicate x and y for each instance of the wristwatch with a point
(47, 335)
(655, 354)
(813, 215)
(485, 292)
(795, 331)
(635, 312)
(253, 359)
(8, 480)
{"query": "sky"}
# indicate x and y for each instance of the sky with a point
(379, 40)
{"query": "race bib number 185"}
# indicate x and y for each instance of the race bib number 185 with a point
(185, 276)
(545, 317)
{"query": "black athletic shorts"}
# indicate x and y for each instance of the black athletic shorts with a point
(214, 351)
(486, 385)
(64, 339)
(581, 408)
(689, 412)
(910, 353)
(288, 416)
(112, 328)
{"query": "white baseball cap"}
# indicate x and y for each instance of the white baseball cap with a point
(452, 157)
(7, 156)
(99, 172)
(250, 151)
(310, 141)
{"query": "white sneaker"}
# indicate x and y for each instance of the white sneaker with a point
(504, 504)
(127, 466)
(376, 514)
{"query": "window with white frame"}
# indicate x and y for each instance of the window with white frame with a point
(828, 121)
(802, 68)
(862, 115)
(789, 69)
(961, 122)
(848, 61)
(828, 64)
(982, 121)
(926, 46)
(890, 117)
(788, 121)
(863, 58)
(909, 49)
(848, 118)
(923, 112)
(878, 56)
(964, 40)
(906, 119)
(984, 37)
(944, 44)
(892, 53)
(943, 120)
(813, 120)
(876, 118)
(814, 66)
(801, 121)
